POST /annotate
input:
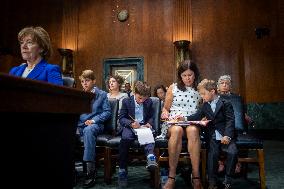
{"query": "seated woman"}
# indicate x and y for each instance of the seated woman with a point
(160, 92)
(182, 99)
(114, 84)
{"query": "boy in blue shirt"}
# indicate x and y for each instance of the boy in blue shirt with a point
(135, 112)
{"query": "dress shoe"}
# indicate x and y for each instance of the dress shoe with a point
(90, 179)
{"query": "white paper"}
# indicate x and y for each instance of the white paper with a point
(218, 135)
(145, 135)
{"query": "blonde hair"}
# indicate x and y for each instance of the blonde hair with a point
(87, 74)
(40, 36)
(208, 85)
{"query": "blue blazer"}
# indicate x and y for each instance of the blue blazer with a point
(128, 109)
(43, 71)
(101, 110)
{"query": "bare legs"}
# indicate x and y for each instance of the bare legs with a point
(193, 146)
(175, 134)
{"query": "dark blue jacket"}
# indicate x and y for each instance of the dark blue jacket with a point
(128, 108)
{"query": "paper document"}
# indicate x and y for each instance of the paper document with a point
(218, 135)
(188, 123)
(144, 135)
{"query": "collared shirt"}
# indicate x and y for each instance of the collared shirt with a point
(213, 105)
(138, 112)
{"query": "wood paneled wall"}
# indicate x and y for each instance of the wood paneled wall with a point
(224, 42)
(222, 35)
(16, 15)
(182, 26)
(147, 33)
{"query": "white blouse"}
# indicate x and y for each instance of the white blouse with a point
(119, 97)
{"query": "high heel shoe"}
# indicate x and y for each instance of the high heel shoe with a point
(170, 184)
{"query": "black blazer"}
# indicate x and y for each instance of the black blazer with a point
(222, 120)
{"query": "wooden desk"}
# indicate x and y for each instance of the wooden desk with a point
(38, 123)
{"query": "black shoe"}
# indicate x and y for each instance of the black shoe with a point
(90, 179)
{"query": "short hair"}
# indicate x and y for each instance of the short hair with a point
(159, 87)
(40, 36)
(87, 74)
(142, 88)
(224, 77)
(207, 85)
(185, 65)
(119, 79)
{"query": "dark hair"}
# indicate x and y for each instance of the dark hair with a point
(185, 65)
(119, 79)
(159, 87)
(142, 88)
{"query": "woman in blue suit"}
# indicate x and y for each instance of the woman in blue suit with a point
(36, 49)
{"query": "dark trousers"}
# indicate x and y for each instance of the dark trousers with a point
(215, 147)
(127, 138)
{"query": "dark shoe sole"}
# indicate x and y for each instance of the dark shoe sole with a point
(89, 184)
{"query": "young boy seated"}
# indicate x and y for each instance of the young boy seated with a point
(221, 130)
(90, 125)
(135, 112)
